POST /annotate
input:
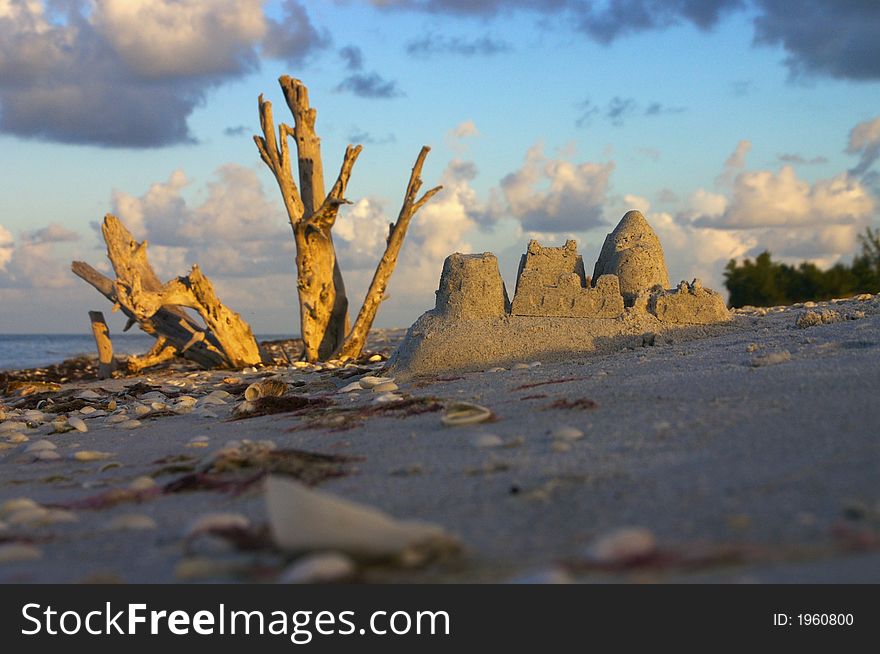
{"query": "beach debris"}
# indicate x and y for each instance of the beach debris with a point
(18, 552)
(216, 522)
(263, 406)
(622, 546)
(771, 358)
(567, 433)
(132, 522)
(319, 568)
(39, 446)
(813, 318)
(92, 455)
(369, 381)
(305, 520)
(141, 483)
(487, 440)
(458, 414)
(265, 388)
(77, 423)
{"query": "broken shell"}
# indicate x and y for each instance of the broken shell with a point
(131, 424)
(623, 545)
(216, 522)
(387, 397)
(17, 504)
(353, 386)
(91, 455)
(369, 381)
(319, 568)
(119, 417)
(133, 522)
(265, 388)
(47, 455)
(487, 440)
(39, 446)
(142, 483)
(13, 552)
(567, 434)
(77, 423)
(385, 387)
(465, 413)
(111, 405)
(303, 519)
(86, 410)
(141, 409)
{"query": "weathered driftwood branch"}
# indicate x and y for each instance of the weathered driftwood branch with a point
(158, 309)
(159, 353)
(323, 303)
(105, 346)
(354, 342)
(163, 324)
(196, 292)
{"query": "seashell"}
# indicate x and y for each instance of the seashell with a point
(31, 516)
(535, 364)
(88, 395)
(111, 405)
(369, 381)
(496, 369)
(152, 396)
(77, 423)
(17, 437)
(12, 426)
(132, 522)
(465, 413)
(92, 455)
(386, 387)
(319, 568)
(47, 455)
(265, 388)
(567, 434)
(520, 366)
(141, 409)
(33, 415)
(304, 520)
(158, 406)
(119, 417)
(130, 424)
(301, 364)
(39, 446)
(623, 546)
(353, 386)
(185, 400)
(17, 504)
(86, 410)
(387, 397)
(61, 426)
(15, 552)
(375, 358)
(487, 440)
(216, 522)
(142, 483)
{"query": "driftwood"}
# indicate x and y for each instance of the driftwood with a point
(324, 320)
(225, 341)
(105, 346)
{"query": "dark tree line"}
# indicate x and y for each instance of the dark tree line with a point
(764, 282)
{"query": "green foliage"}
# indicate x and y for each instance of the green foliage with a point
(764, 282)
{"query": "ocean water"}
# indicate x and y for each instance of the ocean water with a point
(18, 351)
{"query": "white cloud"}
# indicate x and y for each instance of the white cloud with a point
(32, 263)
(864, 140)
(556, 195)
(734, 163)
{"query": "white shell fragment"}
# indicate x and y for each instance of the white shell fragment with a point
(353, 386)
(465, 413)
(265, 388)
(623, 545)
(567, 433)
(370, 381)
(385, 387)
(320, 568)
(216, 521)
(77, 423)
(305, 520)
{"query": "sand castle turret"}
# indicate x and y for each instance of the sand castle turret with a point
(471, 287)
(633, 253)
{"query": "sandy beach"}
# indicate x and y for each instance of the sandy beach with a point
(752, 455)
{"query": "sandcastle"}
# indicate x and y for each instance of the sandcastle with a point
(557, 312)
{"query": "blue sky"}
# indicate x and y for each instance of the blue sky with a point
(734, 125)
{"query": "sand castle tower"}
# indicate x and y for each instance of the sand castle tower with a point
(633, 253)
(471, 287)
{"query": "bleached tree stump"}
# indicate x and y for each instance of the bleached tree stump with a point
(105, 346)
(324, 321)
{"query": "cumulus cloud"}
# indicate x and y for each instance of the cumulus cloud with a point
(435, 44)
(357, 135)
(127, 73)
(555, 195)
(31, 262)
(734, 163)
(864, 141)
(767, 199)
(798, 159)
(236, 231)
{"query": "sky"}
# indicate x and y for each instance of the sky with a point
(735, 126)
